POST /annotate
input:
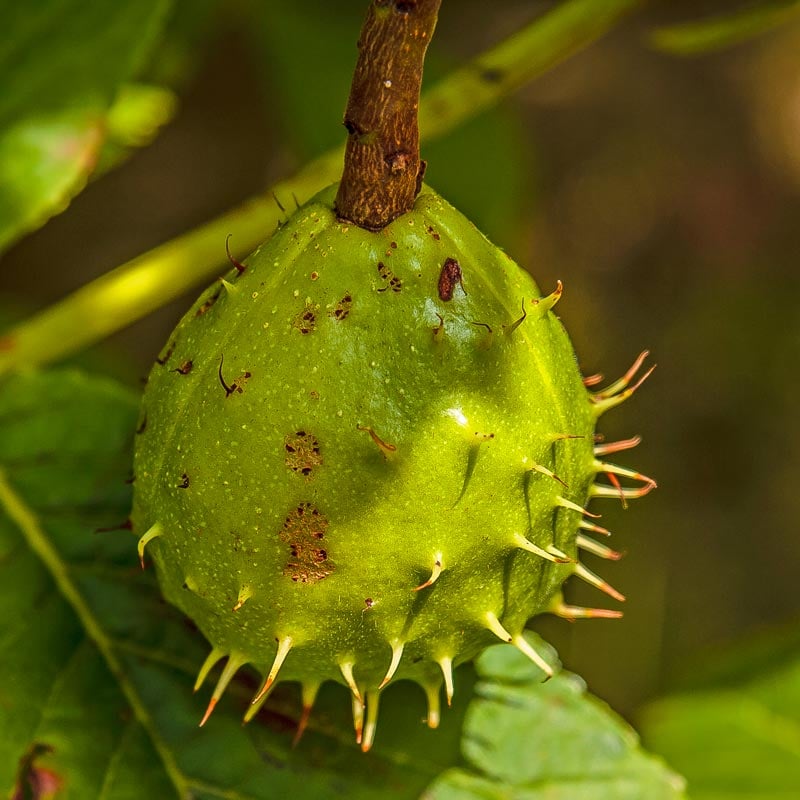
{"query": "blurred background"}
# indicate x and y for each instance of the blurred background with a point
(663, 191)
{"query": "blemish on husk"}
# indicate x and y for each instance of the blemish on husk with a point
(304, 530)
(306, 320)
(342, 309)
(302, 453)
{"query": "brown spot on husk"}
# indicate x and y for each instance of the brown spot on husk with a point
(342, 309)
(185, 368)
(306, 320)
(393, 282)
(303, 530)
(162, 360)
(302, 453)
(449, 278)
(208, 303)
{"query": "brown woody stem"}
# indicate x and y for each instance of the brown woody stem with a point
(382, 168)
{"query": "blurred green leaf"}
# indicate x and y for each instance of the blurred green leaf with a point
(717, 33)
(742, 738)
(185, 41)
(63, 450)
(133, 120)
(524, 740)
(96, 672)
(62, 63)
(44, 162)
(309, 52)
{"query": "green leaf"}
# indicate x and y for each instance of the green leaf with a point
(742, 738)
(62, 62)
(133, 121)
(717, 33)
(186, 39)
(96, 671)
(524, 740)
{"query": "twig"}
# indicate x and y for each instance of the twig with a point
(382, 168)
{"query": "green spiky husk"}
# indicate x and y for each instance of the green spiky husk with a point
(267, 484)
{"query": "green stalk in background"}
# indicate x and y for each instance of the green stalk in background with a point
(158, 276)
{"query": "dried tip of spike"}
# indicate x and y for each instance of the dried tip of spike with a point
(372, 721)
(358, 717)
(621, 492)
(240, 268)
(564, 503)
(607, 403)
(212, 704)
(518, 322)
(284, 646)
(347, 673)
(213, 657)
(152, 533)
(488, 339)
(550, 474)
(591, 546)
(623, 472)
(587, 575)
(438, 331)
(590, 526)
(572, 613)
(254, 708)
(625, 380)
(616, 447)
(544, 304)
(493, 624)
(385, 448)
(397, 654)
(435, 573)
(618, 486)
(561, 556)
(309, 695)
(522, 644)
(434, 706)
(235, 661)
(593, 380)
(245, 593)
(446, 665)
(525, 544)
(302, 724)
(558, 437)
(123, 526)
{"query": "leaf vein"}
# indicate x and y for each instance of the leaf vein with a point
(114, 760)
